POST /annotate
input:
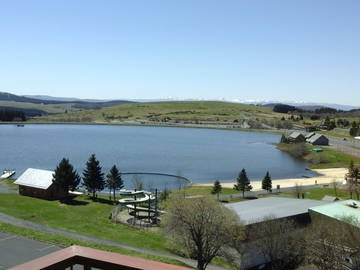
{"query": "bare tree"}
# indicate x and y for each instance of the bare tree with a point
(351, 187)
(202, 225)
(357, 190)
(278, 241)
(329, 243)
(179, 180)
(298, 190)
(335, 186)
(137, 182)
(236, 249)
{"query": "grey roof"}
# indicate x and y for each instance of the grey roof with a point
(35, 178)
(295, 135)
(253, 211)
(315, 138)
(309, 135)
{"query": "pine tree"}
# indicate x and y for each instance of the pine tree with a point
(327, 122)
(93, 178)
(114, 180)
(266, 182)
(216, 188)
(332, 125)
(284, 139)
(354, 130)
(65, 177)
(243, 182)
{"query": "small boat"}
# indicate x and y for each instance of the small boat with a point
(20, 125)
(7, 174)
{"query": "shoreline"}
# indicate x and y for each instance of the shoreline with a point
(325, 176)
(135, 123)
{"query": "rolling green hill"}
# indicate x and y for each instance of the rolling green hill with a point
(170, 112)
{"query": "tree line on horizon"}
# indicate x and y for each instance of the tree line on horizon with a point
(65, 177)
(9, 115)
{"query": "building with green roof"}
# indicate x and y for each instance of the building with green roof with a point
(340, 210)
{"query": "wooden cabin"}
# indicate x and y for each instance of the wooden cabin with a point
(39, 183)
(318, 139)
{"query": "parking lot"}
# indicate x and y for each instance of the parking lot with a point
(15, 250)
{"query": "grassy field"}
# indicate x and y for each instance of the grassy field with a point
(202, 190)
(65, 241)
(82, 216)
(328, 158)
(331, 159)
(319, 193)
(180, 110)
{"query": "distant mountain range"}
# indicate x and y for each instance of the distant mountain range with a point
(42, 105)
(64, 99)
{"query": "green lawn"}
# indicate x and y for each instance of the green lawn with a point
(84, 216)
(66, 241)
(332, 159)
(328, 158)
(319, 193)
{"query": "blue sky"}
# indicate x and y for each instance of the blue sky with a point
(262, 50)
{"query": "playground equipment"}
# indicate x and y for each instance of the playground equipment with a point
(142, 205)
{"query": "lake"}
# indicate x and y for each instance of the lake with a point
(202, 155)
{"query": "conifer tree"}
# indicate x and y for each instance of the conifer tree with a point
(284, 139)
(267, 182)
(93, 177)
(216, 188)
(65, 177)
(354, 130)
(114, 180)
(327, 122)
(243, 182)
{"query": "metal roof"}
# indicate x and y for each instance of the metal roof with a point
(339, 210)
(309, 135)
(253, 211)
(295, 135)
(35, 178)
(95, 259)
(314, 138)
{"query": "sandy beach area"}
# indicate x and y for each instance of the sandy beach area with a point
(326, 176)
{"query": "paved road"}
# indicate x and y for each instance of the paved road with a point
(351, 147)
(31, 225)
(15, 250)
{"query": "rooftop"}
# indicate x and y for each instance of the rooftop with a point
(315, 137)
(91, 258)
(339, 210)
(295, 134)
(35, 178)
(253, 211)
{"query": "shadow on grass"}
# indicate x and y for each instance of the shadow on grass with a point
(102, 200)
(73, 202)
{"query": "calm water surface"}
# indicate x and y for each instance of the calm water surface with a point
(200, 154)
